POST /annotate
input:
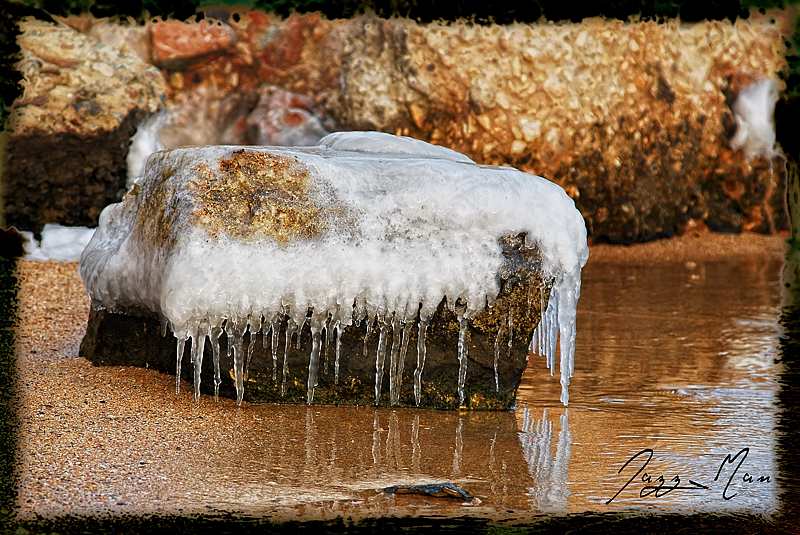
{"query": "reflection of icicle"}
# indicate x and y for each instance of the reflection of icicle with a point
(338, 328)
(216, 332)
(457, 452)
(415, 449)
(376, 439)
(421, 349)
(380, 357)
(550, 474)
(463, 351)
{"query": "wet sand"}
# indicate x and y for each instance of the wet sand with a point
(676, 351)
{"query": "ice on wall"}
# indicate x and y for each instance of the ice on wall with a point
(144, 142)
(755, 127)
(364, 225)
(59, 243)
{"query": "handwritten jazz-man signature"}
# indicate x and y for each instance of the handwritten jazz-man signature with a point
(658, 487)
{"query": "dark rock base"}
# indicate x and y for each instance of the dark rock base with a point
(65, 178)
(118, 339)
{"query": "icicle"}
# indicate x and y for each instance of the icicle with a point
(300, 330)
(164, 325)
(178, 359)
(421, 350)
(366, 336)
(338, 328)
(463, 350)
(216, 332)
(500, 333)
(198, 348)
(510, 334)
(553, 323)
(275, 327)
(394, 354)
(252, 345)
(380, 356)
(235, 332)
(567, 302)
(327, 328)
(291, 328)
(313, 361)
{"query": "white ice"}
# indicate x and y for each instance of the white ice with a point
(59, 243)
(144, 143)
(755, 127)
(420, 223)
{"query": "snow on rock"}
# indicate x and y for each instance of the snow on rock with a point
(755, 126)
(365, 223)
(59, 243)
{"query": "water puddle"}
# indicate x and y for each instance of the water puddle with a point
(676, 368)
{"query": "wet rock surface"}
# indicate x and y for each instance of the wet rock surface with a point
(280, 374)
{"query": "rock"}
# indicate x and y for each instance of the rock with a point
(375, 237)
(129, 38)
(176, 44)
(209, 116)
(285, 119)
(69, 131)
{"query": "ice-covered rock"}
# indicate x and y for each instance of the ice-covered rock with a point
(366, 230)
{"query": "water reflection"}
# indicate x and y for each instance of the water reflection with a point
(681, 359)
(549, 474)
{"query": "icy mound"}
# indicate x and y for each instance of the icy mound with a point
(59, 243)
(381, 143)
(364, 224)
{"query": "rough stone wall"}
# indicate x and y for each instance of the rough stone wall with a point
(69, 131)
(633, 119)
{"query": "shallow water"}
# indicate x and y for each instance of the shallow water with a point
(678, 358)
